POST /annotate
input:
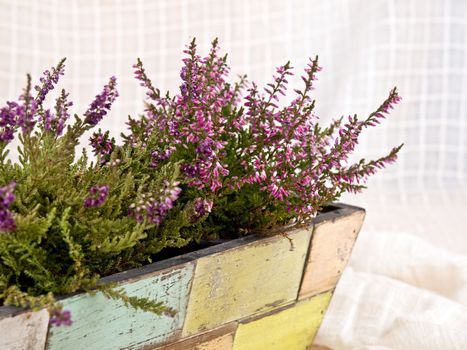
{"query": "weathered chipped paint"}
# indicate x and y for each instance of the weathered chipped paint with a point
(330, 249)
(249, 279)
(292, 328)
(100, 323)
(27, 330)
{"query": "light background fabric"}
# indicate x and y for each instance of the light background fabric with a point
(408, 275)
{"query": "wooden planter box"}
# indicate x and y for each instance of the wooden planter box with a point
(255, 292)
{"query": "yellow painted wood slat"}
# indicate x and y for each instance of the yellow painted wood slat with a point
(293, 328)
(246, 280)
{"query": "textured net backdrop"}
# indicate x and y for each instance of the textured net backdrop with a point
(365, 47)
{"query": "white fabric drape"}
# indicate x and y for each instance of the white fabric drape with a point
(399, 292)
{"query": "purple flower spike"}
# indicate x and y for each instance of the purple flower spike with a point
(102, 103)
(98, 196)
(8, 115)
(60, 318)
(7, 223)
(48, 81)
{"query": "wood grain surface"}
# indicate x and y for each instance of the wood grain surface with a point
(26, 331)
(331, 245)
(217, 339)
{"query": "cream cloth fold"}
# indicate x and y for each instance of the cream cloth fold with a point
(398, 292)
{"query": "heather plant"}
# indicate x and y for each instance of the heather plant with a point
(260, 165)
(66, 220)
(219, 159)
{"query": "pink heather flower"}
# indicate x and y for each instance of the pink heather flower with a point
(201, 207)
(159, 156)
(155, 207)
(7, 197)
(348, 134)
(60, 318)
(276, 191)
(102, 103)
(141, 75)
(392, 100)
(102, 145)
(98, 195)
(353, 176)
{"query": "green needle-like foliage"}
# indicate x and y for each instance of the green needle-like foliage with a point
(58, 235)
